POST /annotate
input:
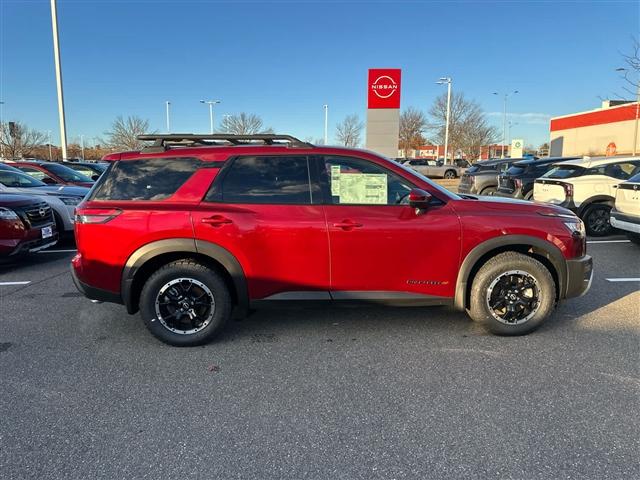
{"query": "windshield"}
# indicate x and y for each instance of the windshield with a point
(19, 180)
(564, 171)
(67, 174)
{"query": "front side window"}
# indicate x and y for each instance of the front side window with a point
(147, 179)
(352, 181)
(268, 180)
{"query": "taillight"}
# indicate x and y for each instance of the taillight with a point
(568, 189)
(96, 215)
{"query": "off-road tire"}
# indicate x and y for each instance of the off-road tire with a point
(489, 191)
(479, 309)
(595, 209)
(185, 268)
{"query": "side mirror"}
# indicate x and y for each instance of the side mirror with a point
(420, 199)
(95, 177)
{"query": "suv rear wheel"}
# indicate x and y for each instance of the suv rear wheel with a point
(185, 303)
(512, 294)
(450, 174)
(488, 191)
(596, 220)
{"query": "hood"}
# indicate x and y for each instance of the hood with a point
(62, 190)
(13, 200)
(513, 205)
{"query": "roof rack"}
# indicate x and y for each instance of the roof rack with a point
(161, 142)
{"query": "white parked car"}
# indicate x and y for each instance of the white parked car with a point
(62, 199)
(587, 186)
(626, 211)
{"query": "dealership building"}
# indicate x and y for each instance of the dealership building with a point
(609, 130)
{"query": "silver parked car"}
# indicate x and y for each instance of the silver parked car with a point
(62, 199)
(437, 168)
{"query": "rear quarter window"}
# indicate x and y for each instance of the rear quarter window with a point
(145, 179)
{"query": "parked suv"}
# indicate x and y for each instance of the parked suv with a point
(587, 187)
(199, 225)
(437, 169)
(26, 225)
(517, 181)
(626, 210)
(53, 173)
(482, 177)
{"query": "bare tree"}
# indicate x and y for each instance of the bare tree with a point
(631, 72)
(349, 131)
(18, 141)
(124, 133)
(468, 126)
(413, 123)
(244, 124)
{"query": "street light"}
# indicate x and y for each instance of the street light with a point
(326, 123)
(56, 57)
(82, 146)
(448, 82)
(49, 140)
(635, 129)
(211, 103)
(1, 131)
(504, 119)
(167, 103)
(509, 125)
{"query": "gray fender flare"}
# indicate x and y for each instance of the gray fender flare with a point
(152, 250)
(540, 247)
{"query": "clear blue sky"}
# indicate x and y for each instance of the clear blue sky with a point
(283, 60)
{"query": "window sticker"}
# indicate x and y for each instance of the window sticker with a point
(335, 180)
(363, 188)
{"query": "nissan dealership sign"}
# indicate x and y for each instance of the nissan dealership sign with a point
(383, 110)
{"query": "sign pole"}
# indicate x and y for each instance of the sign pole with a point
(56, 55)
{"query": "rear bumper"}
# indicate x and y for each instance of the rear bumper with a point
(94, 293)
(579, 276)
(628, 223)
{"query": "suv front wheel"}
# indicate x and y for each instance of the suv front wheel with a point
(185, 303)
(512, 294)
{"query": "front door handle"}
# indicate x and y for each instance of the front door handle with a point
(216, 220)
(347, 225)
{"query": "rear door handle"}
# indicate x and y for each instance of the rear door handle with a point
(347, 224)
(216, 220)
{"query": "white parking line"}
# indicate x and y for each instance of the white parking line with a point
(623, 279)
(57, 251)
(608, 241)
(6, 284)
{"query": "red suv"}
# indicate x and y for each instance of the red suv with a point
(195, 226)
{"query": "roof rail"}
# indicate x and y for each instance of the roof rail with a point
(161, 142)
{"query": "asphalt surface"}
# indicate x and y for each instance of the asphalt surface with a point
(358, 393)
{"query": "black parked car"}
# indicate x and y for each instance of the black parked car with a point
(482, 177)
(518, 180)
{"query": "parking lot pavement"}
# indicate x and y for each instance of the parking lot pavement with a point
(366, 393)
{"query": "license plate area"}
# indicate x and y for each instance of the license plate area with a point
(47, 232)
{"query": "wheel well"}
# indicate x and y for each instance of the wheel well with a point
(606, 200)
(450, 170)
(157, 262)
(528, 250)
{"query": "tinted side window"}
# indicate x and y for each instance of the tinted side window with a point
(274, 180)
(352, 181)
(148, 179)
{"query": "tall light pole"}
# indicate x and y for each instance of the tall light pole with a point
(326, 123)
(448, 82)
(211, 103)
(504, 119)
(56, 56)
(1, 130)
(82, 146)
(49, 140)
(167, 103)
(509, 125)
(635, 128)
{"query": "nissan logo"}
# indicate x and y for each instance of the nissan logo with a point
(42, 212)
(384, 86)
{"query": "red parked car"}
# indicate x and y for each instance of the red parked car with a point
(26, 225)
(199, 225)
(53, 173)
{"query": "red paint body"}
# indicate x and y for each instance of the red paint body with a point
(284, 248)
